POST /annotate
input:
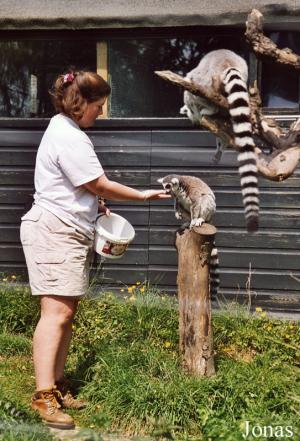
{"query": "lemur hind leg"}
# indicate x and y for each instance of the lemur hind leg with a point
(182, 227)
(196, 219)
(220, 147)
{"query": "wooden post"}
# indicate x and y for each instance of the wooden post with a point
(195, 328)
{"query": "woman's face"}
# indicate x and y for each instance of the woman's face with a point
(92, 111)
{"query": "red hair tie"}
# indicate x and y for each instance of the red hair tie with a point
(68, 78)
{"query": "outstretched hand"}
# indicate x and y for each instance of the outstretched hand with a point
(155, 194)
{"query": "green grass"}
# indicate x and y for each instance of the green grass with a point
(124, 359)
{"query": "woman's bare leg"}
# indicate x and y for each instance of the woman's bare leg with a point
(52, 337)
(63, 350)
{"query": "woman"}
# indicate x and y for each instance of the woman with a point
(57, 233)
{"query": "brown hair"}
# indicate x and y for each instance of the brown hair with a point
(72, 92)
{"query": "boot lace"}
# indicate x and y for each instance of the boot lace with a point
(51, 400)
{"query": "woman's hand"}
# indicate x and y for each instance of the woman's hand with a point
(102, 209)
(155, 194)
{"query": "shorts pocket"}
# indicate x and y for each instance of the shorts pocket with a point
(50, 266)
(28, 224)
(33, 214)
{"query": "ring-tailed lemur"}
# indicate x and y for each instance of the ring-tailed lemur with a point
(228, 73)
(194, 201)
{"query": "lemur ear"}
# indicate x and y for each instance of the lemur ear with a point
(175, 181)
(160, 180)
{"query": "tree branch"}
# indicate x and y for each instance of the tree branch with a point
(195, 89)
(264, 46)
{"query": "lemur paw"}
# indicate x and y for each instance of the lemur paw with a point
(178, 215)
(196, 222)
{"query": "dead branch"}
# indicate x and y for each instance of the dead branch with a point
(264, 46)
(277, 166)
(178, 80)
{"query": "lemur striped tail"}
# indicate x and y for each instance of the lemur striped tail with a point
(214, 272)
(239, 109)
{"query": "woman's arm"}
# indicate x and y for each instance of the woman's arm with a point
(117, 192)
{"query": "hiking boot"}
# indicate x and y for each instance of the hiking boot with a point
(67, 399)
(46, 403)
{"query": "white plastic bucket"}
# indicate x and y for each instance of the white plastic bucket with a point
(113, 235)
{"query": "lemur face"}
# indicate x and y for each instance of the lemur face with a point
(170, 183)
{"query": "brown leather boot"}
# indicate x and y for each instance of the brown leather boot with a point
(67, 399)
(46, 403)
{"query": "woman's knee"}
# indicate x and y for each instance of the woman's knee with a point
(58, 309)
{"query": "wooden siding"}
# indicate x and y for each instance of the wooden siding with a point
(138, 158)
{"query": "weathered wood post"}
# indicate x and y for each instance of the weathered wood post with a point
(195, 328)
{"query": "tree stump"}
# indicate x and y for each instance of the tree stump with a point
(195, 328)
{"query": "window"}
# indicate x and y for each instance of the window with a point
(280, 84)
(137, 91)
(28, 69)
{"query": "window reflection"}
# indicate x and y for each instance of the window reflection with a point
(280, 84)
(137, 91)
(28, 69)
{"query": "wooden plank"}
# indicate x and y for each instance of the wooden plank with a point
(179, 138)
(16, 176)
(130, 176)
(124, 157)
(285, 218)
(269, 198)
(233, 278)
(11, 214)
(18, 138)
(133, 256)
(108, 156)
(121, 139)
(236, 238)
(136, 215)
(10, 234)
(221, 177)
(101, 138)
(25, 176)
(235, 258)
(19, 157)
(189, 157)
(119, 275)
(17, 195)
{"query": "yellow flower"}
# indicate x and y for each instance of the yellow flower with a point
(138, 283)
(263, 314)
(4, 280)
(269, 328)
(129, 289)
(167, 344)
(122, 290)
(133, 286)
(258, 309)
(13, 277)
(132, 298)
(142, 289)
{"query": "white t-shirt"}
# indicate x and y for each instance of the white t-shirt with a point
(65, 160)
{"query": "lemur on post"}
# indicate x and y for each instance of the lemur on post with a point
(194, 202)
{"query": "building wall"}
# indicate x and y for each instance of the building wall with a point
(268, 260)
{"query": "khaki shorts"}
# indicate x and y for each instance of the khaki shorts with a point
(58, 256)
